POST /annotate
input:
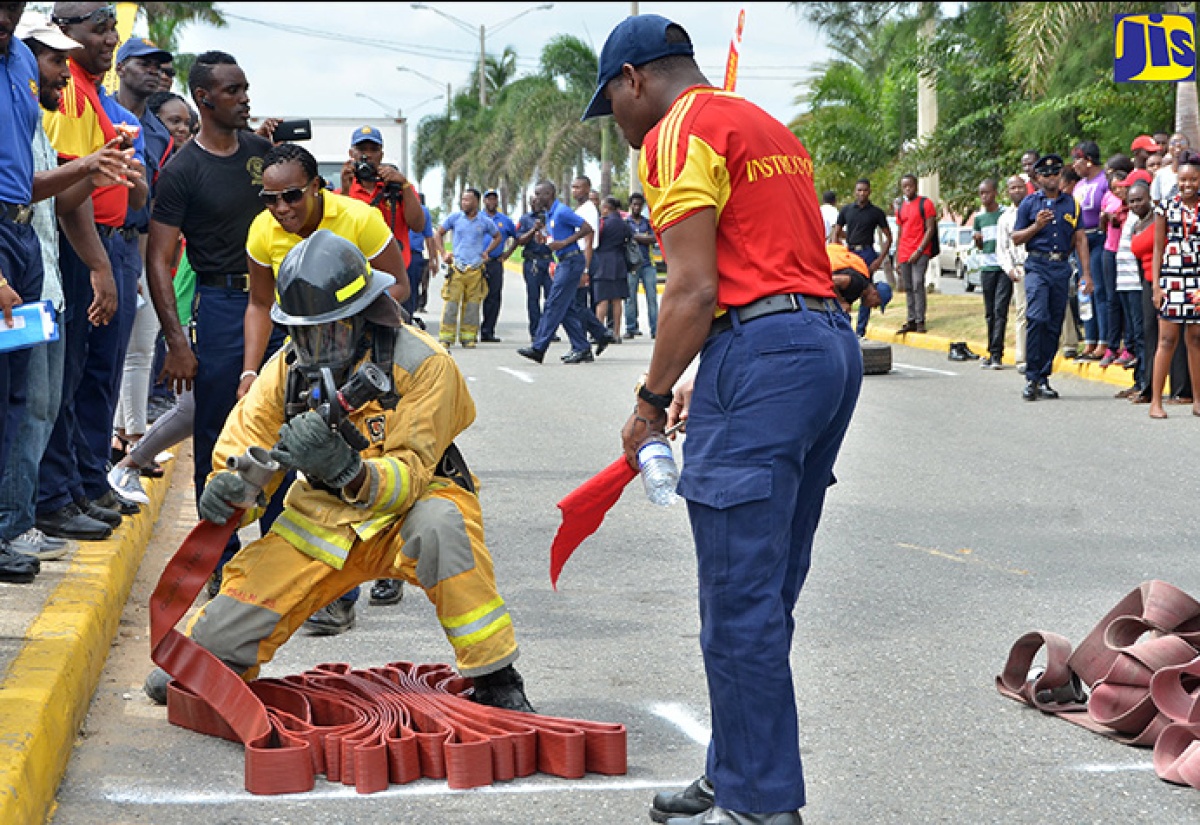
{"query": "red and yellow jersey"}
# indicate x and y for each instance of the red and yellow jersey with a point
(80, 127)
(716, 149)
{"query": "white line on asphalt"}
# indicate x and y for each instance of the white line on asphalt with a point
(682, 718)
(518, 374)
(924, 369)
(1144, 766)
(160, 797)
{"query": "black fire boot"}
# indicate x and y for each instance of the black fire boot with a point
(502, 689)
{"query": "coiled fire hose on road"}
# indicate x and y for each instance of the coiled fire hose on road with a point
(366, 728)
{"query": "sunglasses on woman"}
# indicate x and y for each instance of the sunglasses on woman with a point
(289, 196)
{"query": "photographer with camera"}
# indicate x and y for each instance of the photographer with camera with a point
(367, 178)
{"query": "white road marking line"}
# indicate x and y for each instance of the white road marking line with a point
(520, 375)
(682, 718)
(1144, 766)
(923, 369)
(126, 794)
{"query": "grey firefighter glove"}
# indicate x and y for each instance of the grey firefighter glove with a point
(222, 495)
(309, 445)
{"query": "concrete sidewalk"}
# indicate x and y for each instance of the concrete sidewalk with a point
(54, 638)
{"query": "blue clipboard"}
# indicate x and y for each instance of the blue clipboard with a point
(33, 323)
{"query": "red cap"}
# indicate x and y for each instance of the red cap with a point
(1144, 142)
(1138, 175)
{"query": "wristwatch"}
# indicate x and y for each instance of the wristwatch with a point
(661, 402)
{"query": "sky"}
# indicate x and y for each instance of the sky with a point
(318, 59)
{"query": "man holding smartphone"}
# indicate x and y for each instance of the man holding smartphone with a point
(1047, 225)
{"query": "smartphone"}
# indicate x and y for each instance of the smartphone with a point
(290, 131)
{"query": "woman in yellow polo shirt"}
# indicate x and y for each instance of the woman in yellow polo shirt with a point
(297, 206)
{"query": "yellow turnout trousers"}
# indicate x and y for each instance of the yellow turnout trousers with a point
(463, 295)
(270, 588)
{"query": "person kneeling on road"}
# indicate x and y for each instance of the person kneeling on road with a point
(402, 507)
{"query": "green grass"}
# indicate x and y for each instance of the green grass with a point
(957, 317)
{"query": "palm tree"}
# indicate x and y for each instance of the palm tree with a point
(165, 21)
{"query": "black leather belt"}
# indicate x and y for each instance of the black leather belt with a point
(570, 253)
(1050, 256)
(772, 305)
(241, 283)
(129, 233)
(537, 258)
(860, 247)
(21, 213)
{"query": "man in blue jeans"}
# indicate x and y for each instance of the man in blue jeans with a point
(565, 228)
(647, 276)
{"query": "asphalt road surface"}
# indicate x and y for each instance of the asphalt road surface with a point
(963, 518)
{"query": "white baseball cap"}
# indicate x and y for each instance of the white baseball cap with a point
(39, 27)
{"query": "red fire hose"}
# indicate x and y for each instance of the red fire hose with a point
(367, 728)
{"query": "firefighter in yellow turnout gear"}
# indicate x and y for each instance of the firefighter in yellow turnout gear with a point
(402, 507)
(475, 236)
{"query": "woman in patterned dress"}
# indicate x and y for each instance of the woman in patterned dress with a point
(1177, 279)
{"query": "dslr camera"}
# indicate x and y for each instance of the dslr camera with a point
(367, 175)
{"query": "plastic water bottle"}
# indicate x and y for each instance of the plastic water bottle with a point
(1085, 306)
(659, 473)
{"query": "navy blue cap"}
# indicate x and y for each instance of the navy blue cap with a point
(1048, 162)
(365, 133)
(636, 41)
(140, 47)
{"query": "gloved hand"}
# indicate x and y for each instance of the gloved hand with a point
(221, 496)
(309, 445)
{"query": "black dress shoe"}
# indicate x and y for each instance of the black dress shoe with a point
(387, 591)
(489, 339)
(72, 523)
(113, 501)
(1030, 393)
(90, 508)
(17, 568)
(956, 352)
(720, 816)
(1046, 391)
(579, 356)
(602, 344)
(532, 354)
(694, 799)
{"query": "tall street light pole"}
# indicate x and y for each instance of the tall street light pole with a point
(470, 29)
(432, 80)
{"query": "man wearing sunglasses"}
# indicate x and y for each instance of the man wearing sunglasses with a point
(73, 474)
(1048, 226)
(209, 195)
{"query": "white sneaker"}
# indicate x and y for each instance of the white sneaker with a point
(127, 482)
(33, 542)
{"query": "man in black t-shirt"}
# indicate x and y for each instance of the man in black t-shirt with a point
(209, 194)
(856, 225)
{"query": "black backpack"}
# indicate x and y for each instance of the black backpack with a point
(935, 245)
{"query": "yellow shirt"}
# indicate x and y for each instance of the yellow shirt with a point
(268, 243)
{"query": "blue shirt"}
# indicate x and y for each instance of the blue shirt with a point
(533, 249)
(156, 139)
(19, 116)
(507, 230)
(416, 240)
(561, 223)
(641, 226)
(1057, 236)
(471, 236)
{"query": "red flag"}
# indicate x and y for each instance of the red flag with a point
(731, 62)
(584, 508)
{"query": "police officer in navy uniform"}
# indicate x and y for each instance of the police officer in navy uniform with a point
(1048, 225)
(537, 257)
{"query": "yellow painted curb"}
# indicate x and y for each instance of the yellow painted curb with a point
(47, 690)
(1087, 370)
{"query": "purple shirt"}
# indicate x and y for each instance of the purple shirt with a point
(1090, 194)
